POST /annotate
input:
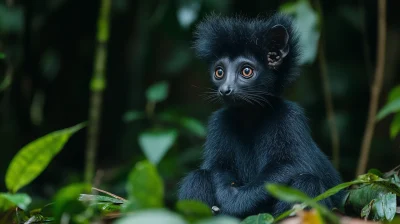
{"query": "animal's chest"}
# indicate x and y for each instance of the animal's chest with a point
(249, 156)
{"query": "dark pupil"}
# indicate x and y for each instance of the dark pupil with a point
(219, 72)
(247, 71)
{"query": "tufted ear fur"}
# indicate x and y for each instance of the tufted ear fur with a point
(277, 45)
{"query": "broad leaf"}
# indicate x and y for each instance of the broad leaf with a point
(263, 218)
(106, 207)
(33, 158)
(145, 187)
(307, 20)
(133, 116)
(384, 207)
(20, 200)
(395, 126)
(193, 210)
(191, 124)
(67, 200)
(155, 144)
(100, 198)
(287, 193)
(391, 107)
(157, 92)
(394, 94)
(151, 217)
(221, 219)
(335, 190)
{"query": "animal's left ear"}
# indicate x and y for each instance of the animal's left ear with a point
(277, 45)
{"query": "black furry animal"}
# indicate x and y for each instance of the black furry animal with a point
(258, 137)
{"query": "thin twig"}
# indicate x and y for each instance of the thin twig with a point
(375, 88)
(335, 141)
(98, 84)
(110, 194)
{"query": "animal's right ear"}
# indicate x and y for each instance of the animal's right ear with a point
(277, 45)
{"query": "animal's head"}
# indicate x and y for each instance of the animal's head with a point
(250, 60)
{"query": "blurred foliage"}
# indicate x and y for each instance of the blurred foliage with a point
(153, 120)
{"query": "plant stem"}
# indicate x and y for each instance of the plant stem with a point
(327, 93)
(375, 88)
(97, 85)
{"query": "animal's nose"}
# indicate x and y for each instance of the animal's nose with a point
(225, 90)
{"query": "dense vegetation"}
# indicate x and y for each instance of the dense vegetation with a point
(112, 146)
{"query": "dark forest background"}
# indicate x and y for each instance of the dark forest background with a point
(50, 50)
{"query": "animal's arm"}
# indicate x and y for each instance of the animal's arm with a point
(239, 200)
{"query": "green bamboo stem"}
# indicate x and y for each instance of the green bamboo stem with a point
(97, 86)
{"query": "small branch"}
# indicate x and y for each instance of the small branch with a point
(98, 84)
(110, 194)
(335, 141)
(375, 88)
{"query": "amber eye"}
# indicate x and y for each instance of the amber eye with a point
(247, 72)
(219, 73)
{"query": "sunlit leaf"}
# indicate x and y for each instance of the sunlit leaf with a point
(263, 218)
(155, 144)
(67, 200)
(306, 20)
(221, 219)
(100, 198)
(157, 92)
(145, 187)
(395, 126)
(20, 200)
(151, 217)
(193, 210)
(33, 158)
(391, 107)
(133, 116)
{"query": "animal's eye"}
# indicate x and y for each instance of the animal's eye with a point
(247, 72)
(219, 73)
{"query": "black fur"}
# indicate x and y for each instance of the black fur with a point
(258, 137)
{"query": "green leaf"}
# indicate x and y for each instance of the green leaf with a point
(367, 210)
(20, 200)
(155, 144)
(191, 124)
(394, 94)
(376, 172)
(221, 219)
(33, 158)
(157, 92)
(306, 19)
(133, 116)
(2, 55)
(145, 187)
(100, 198)
(151, 217)
(106, 208)
(287, 193)
(67, 201)
(384, 207)
(391, 107)
(263, 218)
(193, 210)
(395, 126)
